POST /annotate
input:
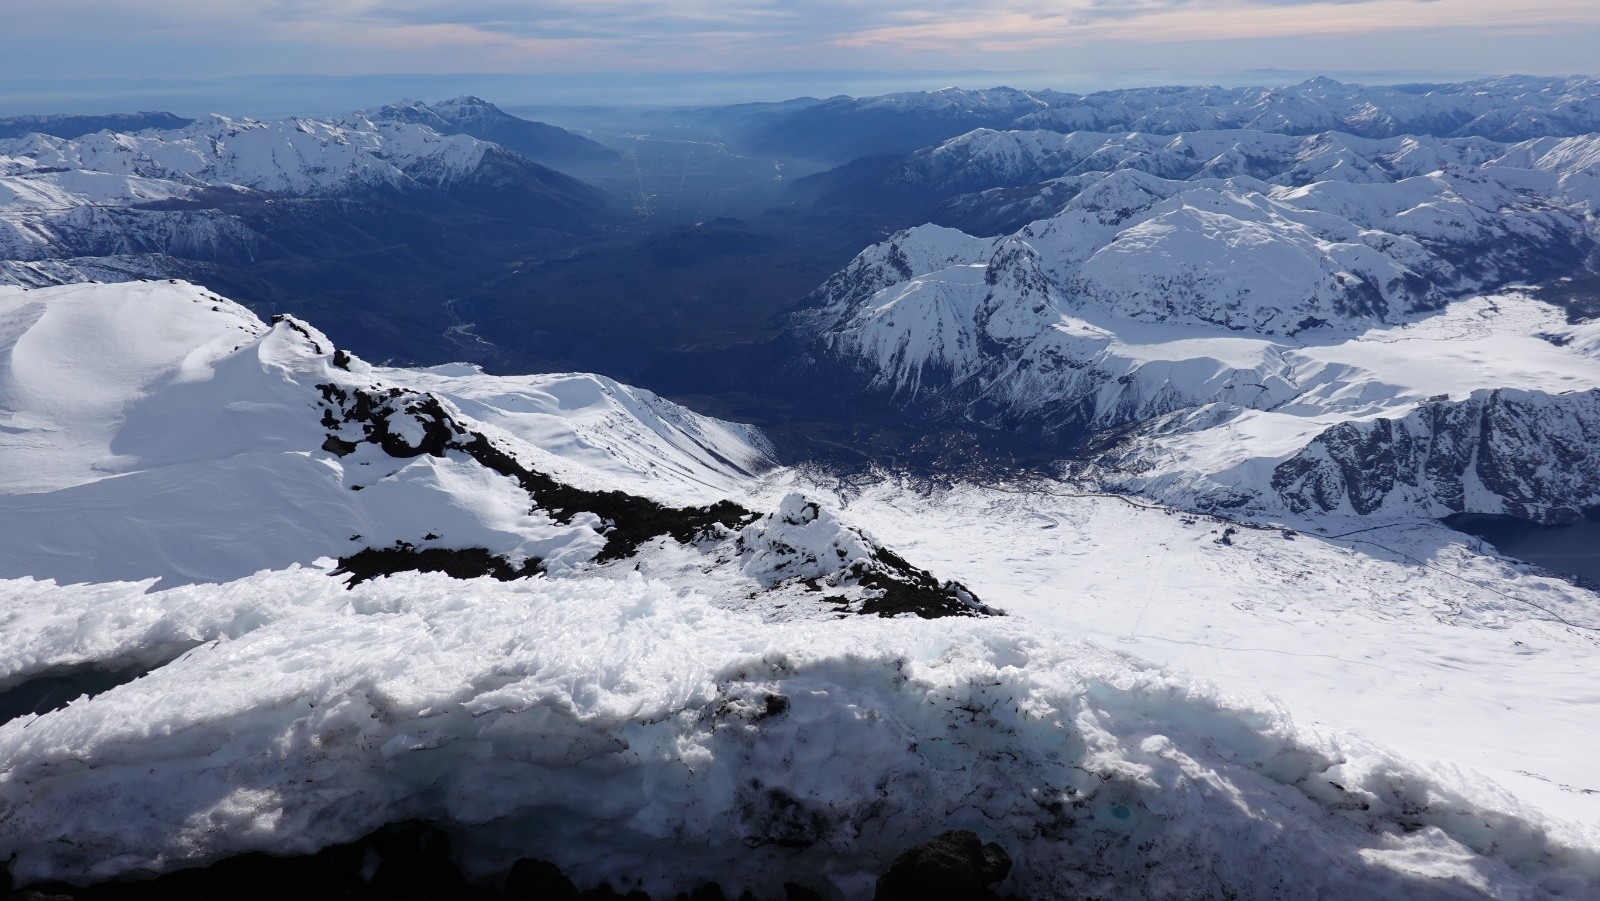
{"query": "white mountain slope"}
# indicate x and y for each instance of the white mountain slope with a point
(604, 434)
(159, 432)
(1261, 232)
(169, 407)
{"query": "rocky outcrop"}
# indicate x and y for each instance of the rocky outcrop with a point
(953, 866)
(1518, 453)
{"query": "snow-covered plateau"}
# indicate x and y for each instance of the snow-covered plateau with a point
(267, 533)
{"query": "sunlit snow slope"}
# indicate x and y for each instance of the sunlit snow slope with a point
(156, 429)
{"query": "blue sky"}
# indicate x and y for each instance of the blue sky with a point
(193, 39)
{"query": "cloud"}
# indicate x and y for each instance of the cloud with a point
(1001, 24)
(733, 35)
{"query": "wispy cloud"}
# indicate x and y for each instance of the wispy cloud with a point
(999, 25)
(542, 35)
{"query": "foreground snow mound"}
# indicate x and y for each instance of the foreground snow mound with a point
(622, 728)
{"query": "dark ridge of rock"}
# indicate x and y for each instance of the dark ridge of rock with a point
(907, 589)
(539, 879)
(901, 588)
(70, 126)
(407, 860)
(457, 563)
(954, 866)
(630, 520)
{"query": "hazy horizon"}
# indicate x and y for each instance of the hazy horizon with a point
(253, 57)
(273, 96)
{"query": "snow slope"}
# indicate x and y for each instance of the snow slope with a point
(605, 434)
(1400, 630)
(168, 407)
(163, 405)
(158, 431)
(634, 728)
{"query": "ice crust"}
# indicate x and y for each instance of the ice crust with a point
(627, 727)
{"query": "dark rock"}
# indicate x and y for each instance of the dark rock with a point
(415, 864)
(462, 563)
(541, 880)
(337, 446)
(954, 866)
(711, 891)
(795, 892)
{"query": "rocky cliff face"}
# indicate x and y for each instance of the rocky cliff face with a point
(1520, 453)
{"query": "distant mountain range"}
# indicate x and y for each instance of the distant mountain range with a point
(67, 126)
(1511, 108)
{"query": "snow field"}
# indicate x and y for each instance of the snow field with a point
(1404, 632)
(633, 727)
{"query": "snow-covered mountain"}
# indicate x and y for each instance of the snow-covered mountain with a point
(207, 191)
(160, 431)
(1508, 108)
(1492, 406)
(1179, 283)
(1244, 230)
(478, 118)
(843, 128)
(991, 182)
(259, 595)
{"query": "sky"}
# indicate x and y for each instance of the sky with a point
(59, 46)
